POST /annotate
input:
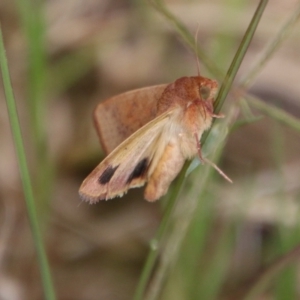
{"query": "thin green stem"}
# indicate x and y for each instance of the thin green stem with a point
(187, 37)
(194, 206)
(238, 58)
(275, 113)
(148, 268)
(26, 182)
(31, 13)
(33, 22)
(156, 242)
(279, 38)
(261, 280)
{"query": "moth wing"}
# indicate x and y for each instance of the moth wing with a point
(126, 166)
(120, 116)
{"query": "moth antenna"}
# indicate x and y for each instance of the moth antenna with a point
(208, 161)
(196, 49)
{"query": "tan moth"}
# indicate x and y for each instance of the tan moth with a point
(148, 134)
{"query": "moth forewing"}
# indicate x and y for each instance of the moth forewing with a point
(127, 165)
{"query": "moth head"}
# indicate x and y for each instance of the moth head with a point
(185, 91)
(207, 90)
(204, 92)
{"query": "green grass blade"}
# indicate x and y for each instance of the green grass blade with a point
(155, 243)
(263, 278)
(280, 37)
(238, 58)
(187, 37)
(150, 262)
(27, 187)
(275, 113)
(34, 27)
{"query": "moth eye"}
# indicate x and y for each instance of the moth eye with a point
(204, 92)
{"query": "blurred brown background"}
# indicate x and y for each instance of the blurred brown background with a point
(96, 49)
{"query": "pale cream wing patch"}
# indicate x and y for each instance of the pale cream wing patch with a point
(120, 116)
(127, 165)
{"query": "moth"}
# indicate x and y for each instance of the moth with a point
(148, 134)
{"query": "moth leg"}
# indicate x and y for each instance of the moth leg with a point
(166, 170)
(199, 148)
(218, 116)
(205, 160)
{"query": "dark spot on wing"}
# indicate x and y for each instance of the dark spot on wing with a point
(139, 170)
(107, 174)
